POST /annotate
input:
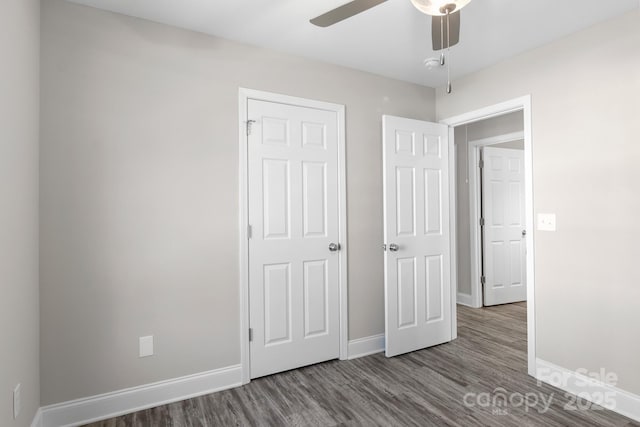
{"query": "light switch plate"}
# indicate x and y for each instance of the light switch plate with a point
(547, 222)
(146, 346)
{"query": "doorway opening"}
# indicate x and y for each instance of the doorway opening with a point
(490, 211)
(494, 220)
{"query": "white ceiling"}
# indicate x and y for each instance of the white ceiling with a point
(391, 39)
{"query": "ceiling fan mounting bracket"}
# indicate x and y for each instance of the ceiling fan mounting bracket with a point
(448, 9)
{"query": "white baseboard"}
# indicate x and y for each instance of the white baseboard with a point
(37, 419)
(366, 346)
(622, 402)
(109, 405)
(464, 299)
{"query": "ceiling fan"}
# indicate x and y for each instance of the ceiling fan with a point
(445, 21)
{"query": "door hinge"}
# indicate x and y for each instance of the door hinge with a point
(483, 280)
(249, 231)
(481, 164)
(249, 126)
(481, 222)
(250, 334)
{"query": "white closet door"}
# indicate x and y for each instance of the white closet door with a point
(294, 217)
(504, 226)
(417, 236)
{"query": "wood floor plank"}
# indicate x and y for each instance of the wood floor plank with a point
(422, 388)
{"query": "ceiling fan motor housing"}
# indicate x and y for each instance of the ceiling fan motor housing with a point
(439, 7)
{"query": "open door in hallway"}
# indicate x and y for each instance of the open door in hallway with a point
(504, 226)
(417, 235)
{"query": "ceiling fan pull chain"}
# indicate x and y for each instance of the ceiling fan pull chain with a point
(449, 55)
(441, 41)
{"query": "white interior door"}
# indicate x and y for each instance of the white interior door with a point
(417, 236)
(504, 249)
(294, 218)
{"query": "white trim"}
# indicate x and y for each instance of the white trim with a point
(465, 299)
(499, 139)
(109, 405)
(622, 402)
(37, 419)
(243, 97)
(453, 239)
(524, 104)
(366, 346)
(474, 208)
(488, 112)
(243, 274)
(342, 206)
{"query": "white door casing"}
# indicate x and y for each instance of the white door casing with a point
(522, 103)
(504, 249)
(293, 211)
(417, 235)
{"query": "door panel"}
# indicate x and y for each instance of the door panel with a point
(416, 211)
(276, 198)
(293, 214)
(277, 303)
(314, 193)
(435, 288)
(503, 211)
(315, 298)
(407, 288)
(405, 201)
(433, 202)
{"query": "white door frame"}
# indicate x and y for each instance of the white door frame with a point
(474, 209)
(518, 104)
(244, 95)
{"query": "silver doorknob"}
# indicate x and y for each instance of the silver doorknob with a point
(524, 233)
(393, 247)
(333, 247)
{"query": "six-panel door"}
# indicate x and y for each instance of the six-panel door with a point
(504, 226)
(416, 218)
(294, 217)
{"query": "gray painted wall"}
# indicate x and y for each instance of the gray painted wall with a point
(19, 133)
(140, 193)
(501, 125)
(139, 179)
(585, 165)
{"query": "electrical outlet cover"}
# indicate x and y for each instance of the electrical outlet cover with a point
(146, 346)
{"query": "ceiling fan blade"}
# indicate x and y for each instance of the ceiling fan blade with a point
(439, 31)
(345, 11)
